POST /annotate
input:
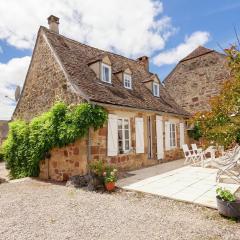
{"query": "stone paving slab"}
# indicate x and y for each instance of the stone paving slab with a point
(191, 184)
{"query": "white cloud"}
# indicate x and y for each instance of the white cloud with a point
(174, 55)
(11, 74)
(131, 28)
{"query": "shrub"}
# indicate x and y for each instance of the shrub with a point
(28, 143)
(225, 195)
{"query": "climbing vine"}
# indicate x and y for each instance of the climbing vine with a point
(28, 143)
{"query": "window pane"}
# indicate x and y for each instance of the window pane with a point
(127, 145)
(120, 135)
(119, 123)
(120, 146)
(106, 70)
(126, 124)
(126, 134)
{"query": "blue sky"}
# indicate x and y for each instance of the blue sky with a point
(218, 17)
(165, 30)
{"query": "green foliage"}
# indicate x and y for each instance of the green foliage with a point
(225, 195)
(196, 132)
(1, 155)
(97, 167)
(28, 143)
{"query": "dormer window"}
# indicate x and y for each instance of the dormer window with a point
(156, 89)
(127, 79)
(106, 73)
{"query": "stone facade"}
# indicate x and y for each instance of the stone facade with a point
(73, 159)
(194, 81)
(65, 162)
(45, 84)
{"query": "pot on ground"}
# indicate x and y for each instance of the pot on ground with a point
(228, 209)
(110, 186)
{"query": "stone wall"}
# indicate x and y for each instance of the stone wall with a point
(72, 160)
(44, 84)
(65, 162)
(193, 82)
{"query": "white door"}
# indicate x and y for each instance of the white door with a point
(159, 132)
(112, 135)
(182, 140)
(139, 135)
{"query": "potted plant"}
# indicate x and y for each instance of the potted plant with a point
(110, 178)
(96, 171)
(228, 205)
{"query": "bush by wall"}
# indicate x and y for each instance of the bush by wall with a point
(28, 143)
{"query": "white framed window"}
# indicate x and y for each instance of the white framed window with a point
(123, 135)
(127, 79)
(106, 73)
(172, 135)
(155, 89)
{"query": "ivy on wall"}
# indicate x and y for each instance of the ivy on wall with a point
(28, 143)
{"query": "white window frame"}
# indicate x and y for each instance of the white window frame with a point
(103, 72)
(156, 94)
(127, 81)
(123, 135)
(172, 135)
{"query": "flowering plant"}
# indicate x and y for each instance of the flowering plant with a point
(101, 169)
(110, 174)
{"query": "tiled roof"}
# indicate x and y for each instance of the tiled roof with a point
(199, 51)
(76, 57)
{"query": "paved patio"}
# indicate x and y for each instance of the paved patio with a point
(175, 181)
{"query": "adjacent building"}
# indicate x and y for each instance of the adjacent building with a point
(196, 78)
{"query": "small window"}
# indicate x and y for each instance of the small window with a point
(127, 81)
(155, 89)
(106, 73)
(123, 135)
(172, 135)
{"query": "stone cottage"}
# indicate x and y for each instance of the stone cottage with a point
(145, 126)
(197, 78)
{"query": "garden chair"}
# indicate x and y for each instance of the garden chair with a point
(190, 156)
(199, 153)
(228, 167)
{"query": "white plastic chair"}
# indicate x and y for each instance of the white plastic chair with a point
(190, 156)
(199, 153)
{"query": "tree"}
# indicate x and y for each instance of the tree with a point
(221, 125)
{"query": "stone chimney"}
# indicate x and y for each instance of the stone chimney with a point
(144, 61)
(53, 23)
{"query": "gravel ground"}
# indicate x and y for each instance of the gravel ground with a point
(33, 209)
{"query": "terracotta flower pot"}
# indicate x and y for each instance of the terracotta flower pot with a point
(110, 186)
